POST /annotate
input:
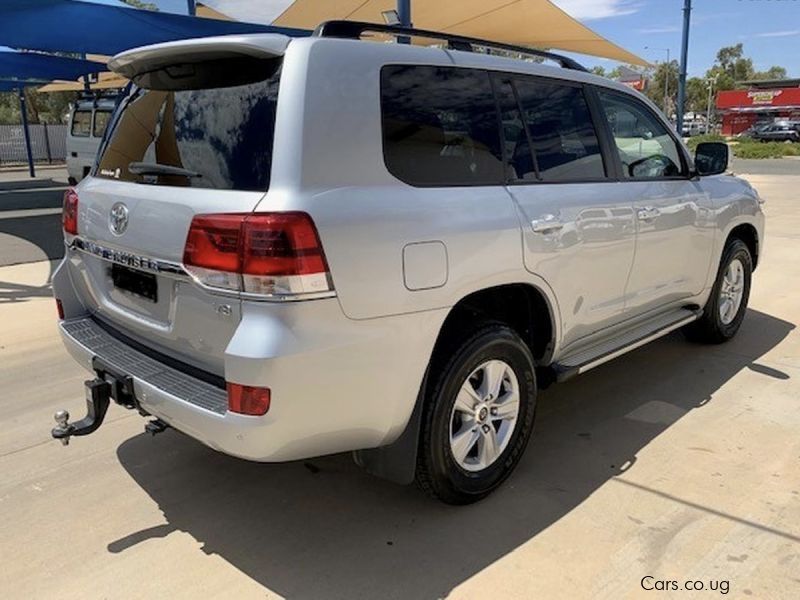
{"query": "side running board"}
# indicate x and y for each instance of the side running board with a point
(584, 360)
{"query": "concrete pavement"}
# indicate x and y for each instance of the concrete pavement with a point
(675, 462)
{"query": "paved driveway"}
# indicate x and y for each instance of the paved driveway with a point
(674, 462)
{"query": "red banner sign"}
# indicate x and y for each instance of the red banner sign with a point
(757, 98)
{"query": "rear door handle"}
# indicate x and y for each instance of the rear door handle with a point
(547, 224)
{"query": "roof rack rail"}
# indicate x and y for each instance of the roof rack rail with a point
(355, 29)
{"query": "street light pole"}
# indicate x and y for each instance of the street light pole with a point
(687, 16)
(666, 85)
(711, 82)
(25, 131)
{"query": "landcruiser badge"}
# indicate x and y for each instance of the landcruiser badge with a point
(118, 218)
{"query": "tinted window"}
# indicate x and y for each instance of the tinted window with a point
(518, 153)
(223, 133)
(81, 123)
(440, 126)
(644, 144)
(565, 145)
(101, 118)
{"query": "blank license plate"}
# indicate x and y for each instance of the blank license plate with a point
(135, 282)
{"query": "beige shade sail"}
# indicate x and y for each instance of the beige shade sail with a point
(537, 23)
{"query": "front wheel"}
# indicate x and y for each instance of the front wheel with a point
(724, 312)
(478, 416)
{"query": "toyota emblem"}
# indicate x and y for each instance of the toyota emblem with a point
(118, 218)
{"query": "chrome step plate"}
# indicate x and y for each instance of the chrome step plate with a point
(584, 360)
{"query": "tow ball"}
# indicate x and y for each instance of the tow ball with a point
(98, 397)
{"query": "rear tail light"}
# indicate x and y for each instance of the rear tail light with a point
(266, 254)
(69, 214)
(247, 400)
(60, 309)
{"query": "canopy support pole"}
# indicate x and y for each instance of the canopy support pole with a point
(687, 14)
(404, 12)
(24, 112)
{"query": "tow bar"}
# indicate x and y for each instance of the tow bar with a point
(98, 397)
(99, 392)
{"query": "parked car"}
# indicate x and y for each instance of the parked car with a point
(778, 132)
(298, 247)
(750, 131)
(87, 124)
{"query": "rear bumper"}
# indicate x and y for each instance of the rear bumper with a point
(337, 385)
(189, 404)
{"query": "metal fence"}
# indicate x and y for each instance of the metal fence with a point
(48, 144)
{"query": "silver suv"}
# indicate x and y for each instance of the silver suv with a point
(296, 247)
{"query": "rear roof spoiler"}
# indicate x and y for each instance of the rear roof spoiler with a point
(132, 63)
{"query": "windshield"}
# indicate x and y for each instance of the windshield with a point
(223, 133)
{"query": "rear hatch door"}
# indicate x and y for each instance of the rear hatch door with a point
(195, 139)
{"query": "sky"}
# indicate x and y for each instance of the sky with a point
(769, 29)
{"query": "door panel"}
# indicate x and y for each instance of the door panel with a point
(587, 260)
(578, 228)
(672, 245)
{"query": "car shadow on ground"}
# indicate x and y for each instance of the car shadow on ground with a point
(25, 195)
(23, 183)
(30, 238)
(323, 528)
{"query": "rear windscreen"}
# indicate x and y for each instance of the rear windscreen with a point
(219, 136)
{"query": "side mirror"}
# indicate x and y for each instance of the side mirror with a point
(711, 158)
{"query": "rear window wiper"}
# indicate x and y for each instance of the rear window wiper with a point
(143, 168)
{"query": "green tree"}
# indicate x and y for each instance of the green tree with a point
(697, 94)
(664, 79)
(42, 108)
(733, 62)
(773, 72)
(142, 5)
(599, 70)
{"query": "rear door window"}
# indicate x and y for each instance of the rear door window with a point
(440, 126)
(218, 128)
(565, 145)
(81, 123)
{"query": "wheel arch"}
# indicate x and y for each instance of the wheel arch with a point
(747, 233)
(524, 307)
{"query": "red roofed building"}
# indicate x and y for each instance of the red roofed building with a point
(762, 101)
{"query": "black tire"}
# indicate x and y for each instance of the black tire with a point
(437, 472)
(710, 328)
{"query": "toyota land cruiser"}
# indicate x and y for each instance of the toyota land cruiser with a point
(295, 247)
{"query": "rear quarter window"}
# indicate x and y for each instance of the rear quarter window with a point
(440, 126)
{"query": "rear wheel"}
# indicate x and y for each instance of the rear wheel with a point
(725, 309)
(478, 416)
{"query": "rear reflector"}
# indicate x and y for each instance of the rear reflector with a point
(60, 309)
(69, 214)
(265, 254)
(247, 400)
